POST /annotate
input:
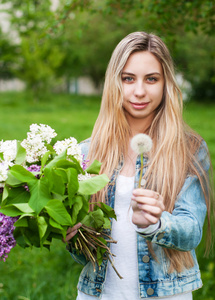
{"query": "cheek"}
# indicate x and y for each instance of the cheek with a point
(126, 89)
(157, 93)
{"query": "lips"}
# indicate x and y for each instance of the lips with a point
(139, 105)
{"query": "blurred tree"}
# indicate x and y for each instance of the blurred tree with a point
(38, 56)
(81, 34)
(8, 57)
(195, 58)
(181, 24)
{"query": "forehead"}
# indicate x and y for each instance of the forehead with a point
(142, 61)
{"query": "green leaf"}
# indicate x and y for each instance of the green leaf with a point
(31, 233)
(5, 194)
(12, 181)
(63, 173)
(58, 212)
(11, 211)
(22, 222)
(93, 185)
(42, 226)
(23, 175)
(84, 210)
(107, 210)
(55, 224)
(78, 166)
(66, 164)
(56, 159)
(18, 235)
(40, 195)
(24, 207)
(94, 219)
(21, 154)
(72, 183)
(44, 159)
(94, 168)
(57, 182)
(100, 253)
(17, 195)
(107, 223)
(76, 207)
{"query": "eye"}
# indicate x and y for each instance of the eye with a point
(127, 79)
(152, 79)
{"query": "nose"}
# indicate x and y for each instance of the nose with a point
(139, 90)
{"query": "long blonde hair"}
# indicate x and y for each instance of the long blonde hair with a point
(174, 144)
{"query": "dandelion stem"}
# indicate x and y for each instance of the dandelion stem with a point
(141, 170)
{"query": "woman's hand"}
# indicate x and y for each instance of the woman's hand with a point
(147, 207)
(71, 232)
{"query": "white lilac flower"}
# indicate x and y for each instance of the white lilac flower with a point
(35, 144)
(3, 171)
(45, 132)
(9, 150)
(83, 177)
(141, 143)
(35, 149)
(72, 147)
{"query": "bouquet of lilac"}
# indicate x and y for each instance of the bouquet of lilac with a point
(45, 189)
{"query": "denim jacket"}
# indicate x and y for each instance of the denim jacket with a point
(181, 230)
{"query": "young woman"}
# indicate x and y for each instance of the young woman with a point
(155, 252)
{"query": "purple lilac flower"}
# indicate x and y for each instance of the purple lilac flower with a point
(7, 241)
(84, 163)
(34, 168)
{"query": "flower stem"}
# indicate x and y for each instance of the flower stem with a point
(141, 170)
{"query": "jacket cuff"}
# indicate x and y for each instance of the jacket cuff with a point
(148, 230)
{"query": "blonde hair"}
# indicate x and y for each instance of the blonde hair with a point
(174, 144)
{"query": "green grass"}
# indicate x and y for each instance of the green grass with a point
(68, 115)
(41, 275)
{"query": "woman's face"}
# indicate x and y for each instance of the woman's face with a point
(143, 85)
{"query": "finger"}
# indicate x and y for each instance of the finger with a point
(152, 219)
(149, 219)
(144, 200)
(146, 193)
(153, 210)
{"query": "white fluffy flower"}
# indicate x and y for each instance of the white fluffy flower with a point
(72, 147)
(141, 143)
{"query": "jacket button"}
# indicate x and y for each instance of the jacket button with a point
(145, 258)
(143, 182)
(150, 291)
(160, 236)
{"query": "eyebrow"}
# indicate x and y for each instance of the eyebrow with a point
(150, 74)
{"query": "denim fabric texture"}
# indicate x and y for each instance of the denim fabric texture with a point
(181, 230)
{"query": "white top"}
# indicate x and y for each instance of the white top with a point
(125, 250)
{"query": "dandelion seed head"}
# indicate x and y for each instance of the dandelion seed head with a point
(141, 143)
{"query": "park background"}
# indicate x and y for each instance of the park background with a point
(48, 46)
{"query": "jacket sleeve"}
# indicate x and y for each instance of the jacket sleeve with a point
(182, 229)
(79, 258)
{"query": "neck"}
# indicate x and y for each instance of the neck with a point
(138, 125)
